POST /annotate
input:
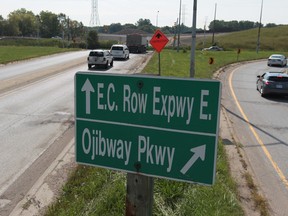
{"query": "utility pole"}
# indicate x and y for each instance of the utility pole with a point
(259, 28)
(193, 45)
(179, 27)
(175, 33)
(214, 24)
(204, 41)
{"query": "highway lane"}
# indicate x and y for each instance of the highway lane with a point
(38, 64)
(260, 125)
(36, 115)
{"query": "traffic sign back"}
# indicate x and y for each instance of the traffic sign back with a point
(158, 41)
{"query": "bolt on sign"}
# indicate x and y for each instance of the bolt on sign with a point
(155, 126)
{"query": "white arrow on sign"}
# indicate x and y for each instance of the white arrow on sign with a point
(199, 152)
(88, 88)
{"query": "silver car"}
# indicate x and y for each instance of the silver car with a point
(213, 48)
(277, 60)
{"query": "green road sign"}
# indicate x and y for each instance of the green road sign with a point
(155, 126)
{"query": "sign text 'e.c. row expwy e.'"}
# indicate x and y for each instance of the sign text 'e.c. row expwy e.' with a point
(135, 102)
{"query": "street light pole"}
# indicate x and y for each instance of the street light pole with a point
(157, 19)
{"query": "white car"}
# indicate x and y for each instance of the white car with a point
(213, 48)
(277, 59)
(100, 57)
(120, 51)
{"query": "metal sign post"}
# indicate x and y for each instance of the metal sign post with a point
(159, 66)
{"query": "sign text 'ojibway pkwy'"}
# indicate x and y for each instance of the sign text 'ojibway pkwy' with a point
(155, 126)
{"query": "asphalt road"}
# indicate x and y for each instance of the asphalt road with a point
(260, 125)
(36, 111)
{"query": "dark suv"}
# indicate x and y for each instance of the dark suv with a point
(272, 83)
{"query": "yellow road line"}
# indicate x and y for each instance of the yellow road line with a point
(268, 155)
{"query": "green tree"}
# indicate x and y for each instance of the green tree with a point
(63, 22)
(129, 26)
(229, 26)
(77, 29)
(2, 24)
(270, 25)
(145, 25)
(244, 25)
(92, 40)
(11, 28)
(115, 27)
(25, 22)
(49, 24)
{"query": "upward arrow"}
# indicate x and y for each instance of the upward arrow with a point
(199, 152)
(158, 36)
(88, 88)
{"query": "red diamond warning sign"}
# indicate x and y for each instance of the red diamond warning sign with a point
(158, 41)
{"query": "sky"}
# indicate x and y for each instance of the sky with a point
(161, 12)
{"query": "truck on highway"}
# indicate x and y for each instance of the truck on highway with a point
(137, 43)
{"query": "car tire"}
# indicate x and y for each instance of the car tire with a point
(89, 66)
(111, 63)
(106, 65)
(261, 92)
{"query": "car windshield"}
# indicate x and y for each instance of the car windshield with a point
(278, 79)
(98, 54)
(276, 57)
(117, 48)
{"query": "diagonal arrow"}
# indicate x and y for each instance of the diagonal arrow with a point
(88, 88)
(199, 152)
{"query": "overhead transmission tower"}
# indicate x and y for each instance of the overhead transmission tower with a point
(94, 21)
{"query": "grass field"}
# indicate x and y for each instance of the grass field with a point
(271, 39)
(177, 64)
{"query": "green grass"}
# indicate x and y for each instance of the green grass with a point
(177, 64)
(97, 191)
(270, 39)
(17, 53)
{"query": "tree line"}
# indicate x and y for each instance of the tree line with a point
(231, 26)
(25, 23)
